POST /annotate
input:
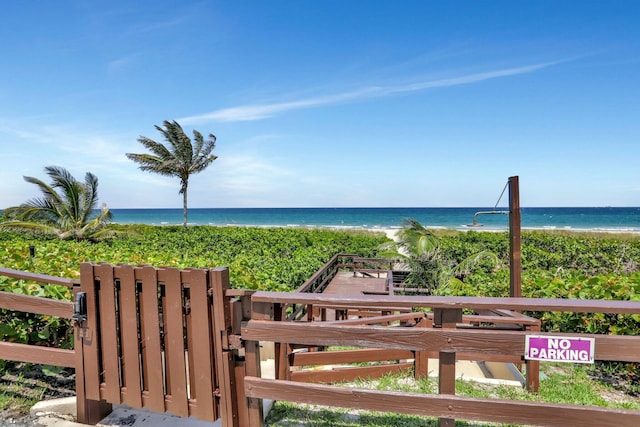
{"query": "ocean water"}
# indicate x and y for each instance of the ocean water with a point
(615, 219)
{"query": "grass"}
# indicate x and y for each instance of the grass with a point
(560, 383)
(22, 385)
(17, 395)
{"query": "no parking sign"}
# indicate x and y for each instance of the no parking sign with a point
(559, 349)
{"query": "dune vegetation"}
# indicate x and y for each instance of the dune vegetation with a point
(555, 265)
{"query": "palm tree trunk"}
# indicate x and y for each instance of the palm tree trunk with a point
(184, 208)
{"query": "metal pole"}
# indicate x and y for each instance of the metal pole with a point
(515, 243)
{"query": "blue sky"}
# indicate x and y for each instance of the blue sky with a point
(328, 103)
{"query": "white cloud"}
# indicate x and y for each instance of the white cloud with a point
(257, 112)
(248, 174)
(120, 64)
(263, 111)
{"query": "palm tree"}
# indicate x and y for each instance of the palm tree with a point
(428, 268)
(179, 158)
(65, 208)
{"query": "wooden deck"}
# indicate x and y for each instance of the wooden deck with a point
(344, 283)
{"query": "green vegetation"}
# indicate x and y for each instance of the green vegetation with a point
(180, 158)
(66, 208)
(258, 258)
(587, 266)
(430, 267)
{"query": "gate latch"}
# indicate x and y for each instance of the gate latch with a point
(80, 307)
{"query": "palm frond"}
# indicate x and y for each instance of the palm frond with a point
(64, 209)
(178, 156)
(468, 264)
(416, 239)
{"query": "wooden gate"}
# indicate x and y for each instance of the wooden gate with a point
(155, 338)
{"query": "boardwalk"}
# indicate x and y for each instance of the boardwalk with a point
(346, 284)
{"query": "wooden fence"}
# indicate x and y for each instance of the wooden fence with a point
(305, 363)
(182, 342)
(30, 304)
(268, 324)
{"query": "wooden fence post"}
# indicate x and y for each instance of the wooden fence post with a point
(259, 311)
(224, 355)
(447, 319)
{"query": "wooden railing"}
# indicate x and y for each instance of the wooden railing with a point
(446, 340)
(168, 340)
(37, 305)
(321, 278)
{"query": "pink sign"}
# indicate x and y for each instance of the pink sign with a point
(559, 349)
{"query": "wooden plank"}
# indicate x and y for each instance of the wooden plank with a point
(151, 347)
(228, 411)
(518, 304)
(341, 374)
(90, 339)
(447, 381)
(174, 342)
(109, 334)
(37, 354)
(36, 305)
(191, 368)
(421, 368)
(281, 349)
(87, 411)
(380, 319)
(608, 347)
(254, 407)
(243, 413)
(220, 314)
(40, 278)
(348, 356)
(488, 410)
(202, 338)
(129, 336)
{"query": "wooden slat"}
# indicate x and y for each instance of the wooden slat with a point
(222, 327)
(90, 340)
(174, 342)
(447, 318)
(40, 278)
(243, 413)
(447, 372)
(108, 333)
(421, 368)
(129, 336)
(490, 410)
(37, 354)
(611, 347)
(379, 319)
(348, 356)
(228, 408)
(341, 374)
(607, 347)
(36, 305)
(189, 325)
(252, 363)
(518, 304)
(151, 347)
(202, 354)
